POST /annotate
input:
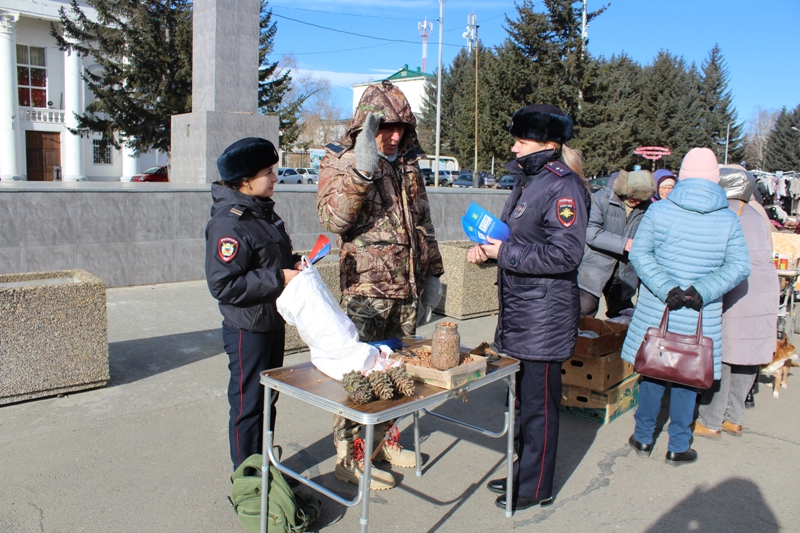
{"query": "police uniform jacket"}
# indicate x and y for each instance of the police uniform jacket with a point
(547, 213)
(247, 248)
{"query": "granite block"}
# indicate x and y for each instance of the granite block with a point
(53, 334)
(468, 290)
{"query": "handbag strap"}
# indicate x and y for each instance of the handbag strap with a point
(664, 325)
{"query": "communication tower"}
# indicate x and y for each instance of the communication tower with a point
(425, 29)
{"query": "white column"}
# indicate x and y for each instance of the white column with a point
(129, 166)
(9, 122)
(71, 149)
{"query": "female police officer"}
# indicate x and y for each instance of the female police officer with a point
(547, 212)
(248, 263)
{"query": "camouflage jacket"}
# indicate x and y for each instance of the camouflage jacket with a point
(384, 225)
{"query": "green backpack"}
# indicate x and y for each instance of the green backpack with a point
(287, 512)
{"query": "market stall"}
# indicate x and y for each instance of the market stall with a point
(305, 383)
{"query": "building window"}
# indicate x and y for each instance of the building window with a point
(31, 76)
(102, 154)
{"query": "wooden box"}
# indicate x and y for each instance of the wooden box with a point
(604, 406)
(610, 339)
(596, 373)
(450, 379)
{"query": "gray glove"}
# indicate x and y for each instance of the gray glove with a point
(366, 149)
(428, 299)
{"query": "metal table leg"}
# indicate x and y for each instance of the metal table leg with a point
(416, 444)
(512, 385)
(265, 456)
(363, 486)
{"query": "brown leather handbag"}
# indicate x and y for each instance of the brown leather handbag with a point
(682, 359)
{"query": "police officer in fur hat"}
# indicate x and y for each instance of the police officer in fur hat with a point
(547, 213)
(605, 269)
(249, 261)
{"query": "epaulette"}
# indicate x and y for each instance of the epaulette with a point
(236, 212)
(558, 168)
(335, 147)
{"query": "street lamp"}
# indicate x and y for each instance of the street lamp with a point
(727, 140)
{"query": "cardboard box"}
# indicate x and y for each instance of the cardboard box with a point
(604, 406)
(611, 335)
(450, 379)
(596, 373)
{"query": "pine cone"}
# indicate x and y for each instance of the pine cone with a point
(357, 387)
(381, 384)
(402, 381)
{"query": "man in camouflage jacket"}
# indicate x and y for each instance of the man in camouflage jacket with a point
(372, 195)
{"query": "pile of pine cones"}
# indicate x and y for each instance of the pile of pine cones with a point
(378, 384)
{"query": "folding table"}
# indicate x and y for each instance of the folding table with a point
(308, 384)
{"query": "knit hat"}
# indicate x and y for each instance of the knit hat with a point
(700, 163)
(636, 185)
(245, 157)
(541, 123)
(662, 174)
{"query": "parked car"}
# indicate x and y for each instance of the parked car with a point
(598, 183)
(506, 182)
(447, 177)
(427, 176)
(466, 180)
(489, 179)
(289, 175)
(308, 175)
(152, 174)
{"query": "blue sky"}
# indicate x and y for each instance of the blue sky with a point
(760, 40)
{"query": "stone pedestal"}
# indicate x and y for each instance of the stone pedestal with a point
(198, 139)
(53, 334)
(224, 90)
(468, 290)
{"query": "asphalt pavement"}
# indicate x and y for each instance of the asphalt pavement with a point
(148, 453)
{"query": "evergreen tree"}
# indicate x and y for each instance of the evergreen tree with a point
(144, 50)
(717, 111)
(609, 116)
(553, 61)
(783, 143)
(274, 85)
(669, 114)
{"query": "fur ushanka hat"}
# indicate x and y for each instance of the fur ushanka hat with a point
(245, 157)
(636, 185)
(541, 123)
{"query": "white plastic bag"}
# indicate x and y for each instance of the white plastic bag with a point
(307, 304)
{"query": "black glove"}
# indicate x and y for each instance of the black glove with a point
(676, 299)
(693, 299)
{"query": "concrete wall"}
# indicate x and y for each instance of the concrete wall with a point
(143, 233)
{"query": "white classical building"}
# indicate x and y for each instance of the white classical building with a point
(43, 89)
(411, 82)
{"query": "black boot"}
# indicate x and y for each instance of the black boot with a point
(750, 401)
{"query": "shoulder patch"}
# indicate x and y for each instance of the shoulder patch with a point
(565, 211)
(227, 248)
(558, 168)
(236, 212)
(335, 147)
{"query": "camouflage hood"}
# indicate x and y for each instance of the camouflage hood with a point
(388, 102)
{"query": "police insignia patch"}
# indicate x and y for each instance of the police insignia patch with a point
(565, 209)
(227, 248)
(520, 209)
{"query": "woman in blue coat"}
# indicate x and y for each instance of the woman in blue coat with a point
(547, 212)
(689, 251)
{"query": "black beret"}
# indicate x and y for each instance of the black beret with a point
(245, 157)
(541, 123)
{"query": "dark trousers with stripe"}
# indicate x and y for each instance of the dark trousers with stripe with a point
(536, 429)
(249, 354)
